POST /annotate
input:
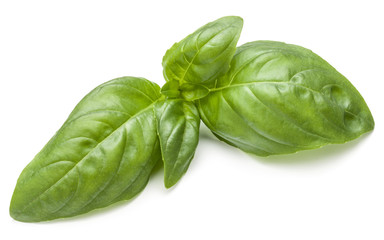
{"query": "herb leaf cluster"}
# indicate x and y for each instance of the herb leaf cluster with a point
(263, 97)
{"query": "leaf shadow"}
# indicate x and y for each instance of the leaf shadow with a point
(324, 154)
(156, 172)
(95, 212)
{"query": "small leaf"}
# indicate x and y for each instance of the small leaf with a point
(171, 89)
(205, 54)
(178, 124)
(191, 92)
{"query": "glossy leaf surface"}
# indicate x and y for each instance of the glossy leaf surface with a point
(279, 98)
(191, 92)
(103, 153)
(205, 54)
(178, 129)
(171, 89)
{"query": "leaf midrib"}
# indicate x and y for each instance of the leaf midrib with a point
(71, 169)
(198, 51)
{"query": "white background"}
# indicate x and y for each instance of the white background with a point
(54, 52)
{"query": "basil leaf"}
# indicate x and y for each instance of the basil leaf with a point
(279, 98)
(178, 123)
(191, 92)
(171, 89)
(205, 54)
(103, 153)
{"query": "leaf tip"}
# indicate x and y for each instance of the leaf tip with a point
(233, 22)
(234, 19)
(18, 214)
(169, 182)
(170, 179)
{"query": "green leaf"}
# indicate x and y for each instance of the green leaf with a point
(279, 98)
(205, 54)
(191, 92)
(171, 89)
(178, 124)
(104, 153)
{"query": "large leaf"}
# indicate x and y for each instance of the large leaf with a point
(279, 98)
(102, 154)
(178, 130)
(205, 54)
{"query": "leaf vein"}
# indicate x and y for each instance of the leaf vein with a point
(70, 170)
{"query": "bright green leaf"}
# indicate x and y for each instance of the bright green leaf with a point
(171, 89)
(205, 54)
(279, 98)
(104, 153)
(178, 124)
(191, 92)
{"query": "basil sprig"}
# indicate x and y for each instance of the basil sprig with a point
(263, 97)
